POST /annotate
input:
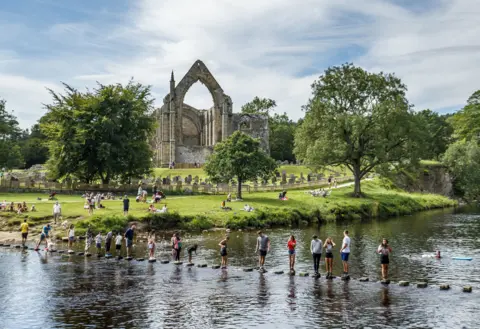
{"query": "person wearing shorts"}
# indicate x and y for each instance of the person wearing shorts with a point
(223, 252)
(71, 236)
(129, 239)
(43, 237)
(24, 230)
(345, 251)
(263, 246)
(328, 245)
(384, 250)
(118, 243)
(291, 244)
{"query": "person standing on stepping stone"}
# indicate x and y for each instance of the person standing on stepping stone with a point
(177, 246)
(316, 250)
(129, 239)
(108, 242)
(151, 245)
(88, 239)
(263, 246)
(328, 245)
(384, 250)
(291, 244)
(42, 238)
(223, 252)
(71, 237)
(190, 250)
(118, 244)
(24, 230)
(345, 252)
(126, 205)
(98, 242)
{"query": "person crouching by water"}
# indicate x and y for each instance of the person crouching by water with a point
(316, 250)
(291, 244)
(328, 245)
(190, 250)
(384, 250)
(223, 251)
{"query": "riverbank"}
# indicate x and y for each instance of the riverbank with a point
(201, 212)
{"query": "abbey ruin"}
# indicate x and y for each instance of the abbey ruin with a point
(186, 135)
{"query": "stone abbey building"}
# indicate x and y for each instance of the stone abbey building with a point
(186, 135)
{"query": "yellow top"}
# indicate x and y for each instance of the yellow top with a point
(24, 227)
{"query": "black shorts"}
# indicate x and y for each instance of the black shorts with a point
(223, 252)
(262, 253)
(24, 235)
(384, 259)
(107, 245)
(329, 255)
(125, 208)
(118, 246)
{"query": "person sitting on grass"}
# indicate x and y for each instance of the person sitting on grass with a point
(24, 207)
(164, 209)
(152, 208)
(12, 207)
(248, 208)
(229, 197)
(52, 195)
(33, 208)
(157, 198)
(224, 207)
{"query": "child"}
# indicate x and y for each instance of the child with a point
(328, 245)
(223, 251)
(71, 237)
(98, 242)
(190, 250)
(118, 243)
(108, 242)
(151, 245)
(88, 240)
(291, 244)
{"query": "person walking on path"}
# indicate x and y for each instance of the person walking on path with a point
(316, 250)
(108, 243)
(291, 245)
(129, 239)
(263, 247)
(126, 205)
(71, 237)
(328, 245)
(384, 250)
(24, 230)
(345, 252)
(118, 244)
(57, 212)
(223, 252)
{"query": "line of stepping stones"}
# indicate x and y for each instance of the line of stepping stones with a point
(419, 284)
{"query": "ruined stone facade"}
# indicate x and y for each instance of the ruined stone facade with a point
(186, 135)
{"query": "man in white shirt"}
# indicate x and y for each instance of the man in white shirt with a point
(345, 252)
(57, 211)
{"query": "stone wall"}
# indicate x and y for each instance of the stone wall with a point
(191, 154)
(254, 125)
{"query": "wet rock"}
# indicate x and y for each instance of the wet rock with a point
(108, 256)
(61, 251)
(467, 289)
(17, 246)
(190, 264)
(129, 258)
(216, 267)
(1, 244)
(53, 250)
(178, 263)
(140, 259)
(248, 269)
(385, 281)
(278, 272)
(71, 252)
(152, 260)
(202, 265)
(119, 257)
(346, 277)
(6, 245)
(25, 247)
(88, 254)
(403, 283)
(364, 279)
(303, 274)
(65, 239)
(422, 284)
(165, 261)
(444, 287)
(81, 254)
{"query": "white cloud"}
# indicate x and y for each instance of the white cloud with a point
(272, 49)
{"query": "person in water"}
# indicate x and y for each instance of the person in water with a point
(328, 246)
(190, 250)
(98, 242)
(24, 230)
(108, 242)
(345, 252)
(223, 251)
(118, 244)
(88, 239)
(316, 250)
(176, 246)
(151, 245)
(129, 239)
(291, 245)
(263, 246)
(384, 250)
(71, 236)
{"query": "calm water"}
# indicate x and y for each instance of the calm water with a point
(51, 291)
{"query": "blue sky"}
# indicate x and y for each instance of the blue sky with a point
(273, 48)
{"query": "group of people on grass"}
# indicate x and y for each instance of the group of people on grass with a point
(19, 209)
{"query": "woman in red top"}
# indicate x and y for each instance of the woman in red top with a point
(291, 244)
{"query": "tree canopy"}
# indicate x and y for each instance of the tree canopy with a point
(10, 132)
(101, 133)
(358, 119)
(466, 122)
(239, 157)
(436, 133)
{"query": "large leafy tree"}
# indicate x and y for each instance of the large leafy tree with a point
(100, 134)
(10, 133)
(239, 157)
(466, 122)
(33, 146)
(357, 119)
(281, 128)
(436, 133)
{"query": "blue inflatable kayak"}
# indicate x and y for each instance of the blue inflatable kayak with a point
(462, 258)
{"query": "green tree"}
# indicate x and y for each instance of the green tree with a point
(466, 122)
(33, 146)
(436, 133)
(100, 134)
(10, 132)
(357, 119)
(259, 106)
(239, 157)
(463, 161)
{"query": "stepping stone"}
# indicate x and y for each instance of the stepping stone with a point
(190, 264)
(248, 269)
(108, 256)
(152, 260)
(364, 279)
(346, 277)
(467, 289)
(403, 283)
(129, 258)
(216, 267)
(53, 250)
(25, 247)
(119, 257)
(303, 274)
(88, 254)
(17, 246)
(202, 265)
(165, 261)
(140, 259)
(316, 275)
(178, 263)
(6, 245)
(422, 284)
(278, 272)
(1, 244)
(70, 252)
(385, 281)
(291, 273)
(61, 251)
(81, 254)
(99, 256)
(444, 287)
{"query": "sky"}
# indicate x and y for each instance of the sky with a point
(265, 48)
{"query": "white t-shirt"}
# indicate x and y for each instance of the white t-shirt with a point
(118, 240)
(71, 233)
(346, 241)
(57, 208)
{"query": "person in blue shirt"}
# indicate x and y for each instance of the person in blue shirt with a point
(46, 230)
(129, 239)
(44, 237)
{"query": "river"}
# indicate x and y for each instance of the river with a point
(53, 291)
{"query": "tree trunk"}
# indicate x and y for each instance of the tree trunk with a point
(239, 189)
(357, 192)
